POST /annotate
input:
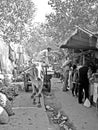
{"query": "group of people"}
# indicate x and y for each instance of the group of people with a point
(77, 79)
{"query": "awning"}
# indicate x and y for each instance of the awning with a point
(81, 39)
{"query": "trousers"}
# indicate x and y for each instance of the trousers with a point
(85, 86)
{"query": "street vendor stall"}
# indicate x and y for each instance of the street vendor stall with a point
(81, 39)
(85, 41)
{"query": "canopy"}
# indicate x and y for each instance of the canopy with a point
(81, 39)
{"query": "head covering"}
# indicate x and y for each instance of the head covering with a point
(67, 62)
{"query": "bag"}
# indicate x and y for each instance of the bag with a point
(3, 99)
(87, 103)
(4, 118)
(8, 108)
(6, 104)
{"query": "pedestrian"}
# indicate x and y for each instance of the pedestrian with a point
(91, 72)
(61, 75)
(75, 81)
(70, 78)
(66, 77)
(83, 83)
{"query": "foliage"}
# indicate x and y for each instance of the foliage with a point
(69, 13)
(37, 40)
(14, 14)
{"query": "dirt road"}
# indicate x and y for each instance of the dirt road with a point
(82, 117)
(27, 116)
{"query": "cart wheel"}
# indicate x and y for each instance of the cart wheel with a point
(49, 87)
(49, 90)
(26, 87)
(97, 104)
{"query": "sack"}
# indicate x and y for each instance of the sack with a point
(3, 99)
(87, 103)
(3, 116)
(6, 104)
(8, 108)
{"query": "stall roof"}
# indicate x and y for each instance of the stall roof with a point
(81, 39)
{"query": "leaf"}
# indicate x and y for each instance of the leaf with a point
(67, 14)
(12, 12)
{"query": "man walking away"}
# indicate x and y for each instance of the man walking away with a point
(83, 83)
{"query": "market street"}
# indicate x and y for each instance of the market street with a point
(28, 117)
(52, 47)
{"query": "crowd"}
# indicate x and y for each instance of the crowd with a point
(77, 78)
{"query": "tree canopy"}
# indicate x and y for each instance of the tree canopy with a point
(69, 13)
(38, 40)
(14, 14)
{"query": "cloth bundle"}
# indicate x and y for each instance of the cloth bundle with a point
(5, 109)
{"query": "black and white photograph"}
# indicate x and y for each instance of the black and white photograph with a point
(48, 64)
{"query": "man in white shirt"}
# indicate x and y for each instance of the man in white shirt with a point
(45, 54)
(66, 76)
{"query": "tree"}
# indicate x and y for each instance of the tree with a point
(69, 13)
(14, 15)
(38, 40)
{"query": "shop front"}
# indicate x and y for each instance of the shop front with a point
(83, 44)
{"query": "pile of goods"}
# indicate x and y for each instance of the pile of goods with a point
(10, 91)
(5, 109)
(55, 114)
(6, 87)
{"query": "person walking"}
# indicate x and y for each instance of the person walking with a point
(83, 83)
(75, 81)
(66, 69)
(70, 78)
(66, 76)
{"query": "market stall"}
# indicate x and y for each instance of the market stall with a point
(86, 42)
(81, 39)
